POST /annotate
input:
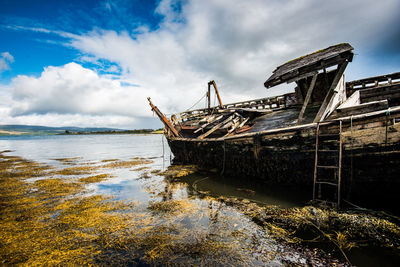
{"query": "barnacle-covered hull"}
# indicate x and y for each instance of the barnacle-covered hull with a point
(370, 157)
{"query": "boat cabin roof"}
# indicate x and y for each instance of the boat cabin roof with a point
(310, 64)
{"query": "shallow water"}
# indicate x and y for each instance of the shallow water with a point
(96, 148)
(201, 215)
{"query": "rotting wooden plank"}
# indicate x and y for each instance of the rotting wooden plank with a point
(243, 122)
(380, 89)
(304, 76)
(311, 68)
(307, 99)
(373, 117)
(207, 118)
(339, 73)
(381, 78)
(352, 87)
(216, 127)
(359, 109)
(204, 111)
(231, 123)
(234, 127)
(323, 58)
(382, 92)
(391, 97)
(208, 123)
(337, 99)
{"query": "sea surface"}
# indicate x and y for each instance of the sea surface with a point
(96, 148)
(146, 185)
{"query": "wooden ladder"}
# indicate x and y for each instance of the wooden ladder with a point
(337, 169)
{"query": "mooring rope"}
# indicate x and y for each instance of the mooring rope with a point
(194, 185)
(196, 102)
(327, 236)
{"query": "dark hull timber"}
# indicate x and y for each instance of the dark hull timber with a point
(339, 140)
(370, 164)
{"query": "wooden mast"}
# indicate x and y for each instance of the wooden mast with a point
(216, 92)
(164, 119)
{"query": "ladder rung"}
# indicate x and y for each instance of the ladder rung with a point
(328, 183)
(337, 134)
(327, 167)
(328, 150)
(336, 141)
(325, 201)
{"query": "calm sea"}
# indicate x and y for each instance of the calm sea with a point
(95, 148)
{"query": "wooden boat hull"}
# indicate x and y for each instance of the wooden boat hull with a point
(370, 165)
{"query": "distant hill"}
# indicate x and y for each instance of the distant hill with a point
(33, 129)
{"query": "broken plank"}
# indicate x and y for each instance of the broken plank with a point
(216, 127)
(308, 96)
(234, 127)
(330, 93)
(215, 118)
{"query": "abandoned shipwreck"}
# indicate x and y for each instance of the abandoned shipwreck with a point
(339, 139)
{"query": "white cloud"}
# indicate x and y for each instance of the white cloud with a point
(73, 89)
(237, 43)
(73, 95)
(5, 60)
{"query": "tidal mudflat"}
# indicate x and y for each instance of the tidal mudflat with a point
(117, 201)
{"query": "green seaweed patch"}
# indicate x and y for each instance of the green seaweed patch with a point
(345, 229)
(109, 160)
(67, 160)
(171, 207)
(127, 164)
(21, 168)
(53, 187)
(167, 245)
(145, 175)
(13, 158)
(79, 170)
(95, 179)
(43, 223)
(141, 169)
(176, 171)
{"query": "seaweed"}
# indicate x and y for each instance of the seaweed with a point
(127, 164)
(95, 179)
(51, 221)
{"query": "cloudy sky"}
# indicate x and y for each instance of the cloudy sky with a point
(93, 63)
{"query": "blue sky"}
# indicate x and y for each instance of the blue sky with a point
(93, 63)
(34, 50)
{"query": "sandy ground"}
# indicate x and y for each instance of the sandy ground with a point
(11, 132)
